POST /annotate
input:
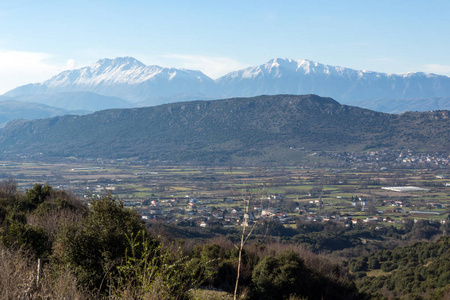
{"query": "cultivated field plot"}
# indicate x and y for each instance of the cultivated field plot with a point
(196, 191)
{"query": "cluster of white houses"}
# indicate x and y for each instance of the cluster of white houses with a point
(230, 211)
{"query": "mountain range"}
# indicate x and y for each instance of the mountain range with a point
(10, 110)
(40, 106)
(125, 78)
(139, 85)
(264, 129)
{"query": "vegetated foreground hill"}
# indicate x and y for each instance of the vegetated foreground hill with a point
(262, 129)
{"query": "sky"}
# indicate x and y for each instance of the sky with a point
(39, 39)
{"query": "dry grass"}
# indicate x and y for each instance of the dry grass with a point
(18, 279)
(16, 275)
(60, 286)
(156, 291)
(377, 273)
(205, 294)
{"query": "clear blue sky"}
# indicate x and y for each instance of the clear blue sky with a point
(39, 39)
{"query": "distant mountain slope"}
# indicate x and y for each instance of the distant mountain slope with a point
(260, 128)
(396, 106)
(131, 80)
(349, 86)
(86, 101)
(125, 78)
(10, 110)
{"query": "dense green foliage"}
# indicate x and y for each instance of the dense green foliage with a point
(30, 220)
(421, 269)
(243, 129)
(284, 275)
(274, 271)
(98, 244)
(333, 236)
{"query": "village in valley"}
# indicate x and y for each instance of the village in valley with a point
(375, 191)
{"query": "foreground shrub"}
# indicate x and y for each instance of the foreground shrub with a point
(154, 272)
(280, 276)
(286, 276)
(100, 245)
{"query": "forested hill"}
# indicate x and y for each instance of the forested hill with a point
(264, 128)
(418, 271)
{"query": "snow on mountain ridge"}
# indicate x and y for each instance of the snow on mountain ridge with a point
(279, 66)
(117, 71)
(288, 76)
(126, 78)
(130, 79)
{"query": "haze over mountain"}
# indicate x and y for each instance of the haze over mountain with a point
(10, 110)
(131, 80)
(246, 130)
(410, 104)
(85, 101)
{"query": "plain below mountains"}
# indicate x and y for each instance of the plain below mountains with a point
(130, 80)
(264, 129)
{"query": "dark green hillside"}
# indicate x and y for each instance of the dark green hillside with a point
(260, 128)
(419, 270)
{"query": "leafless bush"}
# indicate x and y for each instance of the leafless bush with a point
(16, 274)
(64, 199)
(54, 221)
(62, 209)
(60, 285)
(8, 188)
(18, 279)
(223, 242)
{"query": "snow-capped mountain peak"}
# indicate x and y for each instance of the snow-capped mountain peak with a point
(289, 76)
(123, 77)
(122, 63)
(130, 79)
